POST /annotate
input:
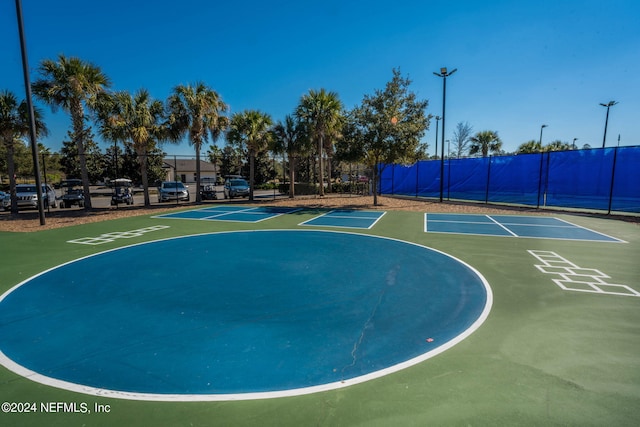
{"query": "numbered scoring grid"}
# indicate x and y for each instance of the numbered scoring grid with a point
(231, 213)
(539, 227)
(345, 218)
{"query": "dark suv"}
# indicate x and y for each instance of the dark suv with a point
(236, 187)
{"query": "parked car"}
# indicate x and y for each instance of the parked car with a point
(236, 187)
(27, 197)
(172, 190)
(73, 193)
(4, 196)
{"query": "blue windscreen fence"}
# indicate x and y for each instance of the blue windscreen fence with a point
(600, 179)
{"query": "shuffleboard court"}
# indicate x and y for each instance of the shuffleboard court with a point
(231, 213)
(511, 226)
(345, 218)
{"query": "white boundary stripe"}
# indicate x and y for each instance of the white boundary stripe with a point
(505, 228)
(596, 232)
(223, 213)
(571, 225)
(79, 388)
(375, 221)
(579, 279)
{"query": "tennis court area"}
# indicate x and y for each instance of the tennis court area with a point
(247, 315)
(511, 226)
(231, 213)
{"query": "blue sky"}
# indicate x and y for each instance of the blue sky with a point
(520, 64)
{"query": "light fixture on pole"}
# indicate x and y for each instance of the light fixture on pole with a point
(606, 121)
(444, 74)
(437, 121)
(574, 143)
(540, 141)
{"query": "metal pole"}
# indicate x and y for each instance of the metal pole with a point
(448, 170)
(540, 142)
(444, 74)
(437, 121)
(32, 122)
(613, 176)
(606, 121)
(444, 101)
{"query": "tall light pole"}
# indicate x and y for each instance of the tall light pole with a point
(606, 121)
(444, 74)
(437, 121)
(32, 123)
(540, 141)
(574, 143)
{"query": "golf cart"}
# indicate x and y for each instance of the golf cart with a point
(208, 192)
(122, 192)
(73, 194)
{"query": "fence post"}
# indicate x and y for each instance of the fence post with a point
(417, 175)
(540, 179)
(613, 174)
(486, 196)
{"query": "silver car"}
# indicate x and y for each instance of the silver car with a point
(27, 197)
(172, 190)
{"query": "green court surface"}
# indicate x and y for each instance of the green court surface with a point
(560, 346)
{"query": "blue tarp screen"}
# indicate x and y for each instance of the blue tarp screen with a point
(602, 179)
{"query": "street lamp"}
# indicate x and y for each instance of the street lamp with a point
(540, 142)
(437, 121)
(32, 123)
(444, 74)
(574, 143)
(606, 122)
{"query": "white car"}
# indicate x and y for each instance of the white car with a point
(27, 197)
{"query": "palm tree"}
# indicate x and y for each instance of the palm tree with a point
(72, 84)
(529, 147)
(251, 130)
(290, 136)
(485, 142)
(197, 111)
(558, 145)
(136, 120)
(14, 126)
(322, 111)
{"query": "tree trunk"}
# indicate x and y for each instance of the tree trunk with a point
(292, 186)
(198, 197)
(142, 158)
(376, 175)
(77, 118)
(320, 171)
(11, 169)
(252, 158)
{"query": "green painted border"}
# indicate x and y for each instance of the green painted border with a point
(543, 357)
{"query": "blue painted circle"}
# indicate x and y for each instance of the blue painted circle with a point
(239, 312)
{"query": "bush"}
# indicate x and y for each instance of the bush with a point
(301, 189)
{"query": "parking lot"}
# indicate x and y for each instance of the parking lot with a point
(101, 198)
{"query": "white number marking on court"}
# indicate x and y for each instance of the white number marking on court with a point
(575, 278)
(110, 237)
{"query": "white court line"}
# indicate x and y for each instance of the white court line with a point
(505, 228)
(343, 217)
(596, 232)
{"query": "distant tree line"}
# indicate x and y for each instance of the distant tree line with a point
(317, 143)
